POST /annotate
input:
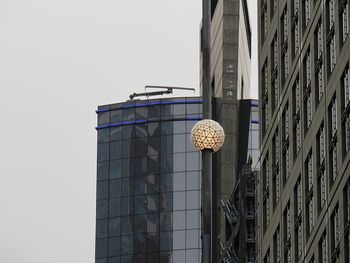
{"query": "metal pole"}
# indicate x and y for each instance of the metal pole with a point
(206, 154)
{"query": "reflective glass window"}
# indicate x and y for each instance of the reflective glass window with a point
(152, 243)
(115, 188)
(128, 132)
(116, 150)
(153, 164)
(166, 241)
(101, 248)
(141, 130)
(154, 144)
(114, 246)
(167, 127)
(141, 165)
(141, 147)
(192, 200)
(115, 207)
(179, 162)
(153, 222)
(102, 190)
(167, 110)
(179, 142)
(154, 111)
(166, 202)
(140, 243)
(179, 256)
(153, 129)
(153, 183)
(192, 161)
(153, 202)
(103, 135)
(127, 225)
(116, 116)
(179, 183)
(103, 117)
(127, 246)
(102, 171)
(192, 238)
(179, 220)
(192, 180)
(179, 239)
(179, 200)
(127, 167)
(115, 170)
(179, 127)
(192, 219)
(127, 186)
(140, 204)
(128, 148)
(103, 152)
(101, 228)
(179, 109)
(192, 255)
(116, 133)
(114, 226)
(192, 109)
(166, 221)
(101, 209)
(167, 144)
(128, 206)
(141, 113)
(128, 114)
(140, 224)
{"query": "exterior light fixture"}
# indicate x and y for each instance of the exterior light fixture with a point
(207, 135)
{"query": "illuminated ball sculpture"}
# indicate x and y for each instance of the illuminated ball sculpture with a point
(207, 135)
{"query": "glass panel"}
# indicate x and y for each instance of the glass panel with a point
(179, 181)
(128, 114)
(116, 150)
(166, 241)
(166, 221)
(140, 204)
(102, 171)
(179, 162)
(101, 248)
(153, 222)
(154, 111)
(154, 145)
(127, 225)
(127, 246)
(114, 246)
(179, 200)
(167, 144)
(102, 152)
(193, 181)
(179, 142)
(116, 116)
(179, 256)
(101, 228)
(128, 131)
(140, 244)
(115, 169)
(128, 205)
(152, 242)
(192, 219)
(192, 161)
(115, 188)
(179, 240)
(103, 135)
(167, 163)
(154, 129)
(167, 127)
(127, 167)
(153, 257)
(101, 209)
(115, 226)
(115, 207)
(153, 164)
(141, 113)
(192, 239)
(140, 185)
(153, 202)
(103, 118)
(192, 256)
(141, 166)
(192, 109)
(102, 190)
(153, 184)
(141, 147)
(127, 186)
(167, 202)
(116, 133)
(140, 224)
(128, 148)
(192, 200)
(179, 220)
(141, 130)
(179, 126)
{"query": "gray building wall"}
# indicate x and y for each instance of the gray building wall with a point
(296, 236)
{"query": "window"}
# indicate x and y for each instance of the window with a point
(321, 153)
(275, 92)
(330, 8)
(309, 192)
(284, 25)
(285, 142)
(273, 4)
(274, 54)
(266, 203)
(332, 56)
(345, 85)
(323, 250)
(335, 232)
(265, 99)
(295, 7)
(322, 191)
(263, 20)
(275, 161)
(285, 63)
(319, 78)
(344, 19)
(299, 240)
(306, 12)
(287, 232)
(309, 172)
(296, 117)
(346, 198)
(298, 199)
(295, 36)
(332, 117)
(277, 245)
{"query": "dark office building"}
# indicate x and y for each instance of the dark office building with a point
(148, 182)
(304, 186)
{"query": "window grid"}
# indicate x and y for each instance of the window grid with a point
(284, 25)
(323, 249)
(307, 12)
(264, 20)
(344, 20)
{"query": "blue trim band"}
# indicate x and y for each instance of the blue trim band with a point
(255, 122)
(140, 122)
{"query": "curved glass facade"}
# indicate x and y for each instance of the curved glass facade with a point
(148, 182)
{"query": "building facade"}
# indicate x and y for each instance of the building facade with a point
(304, 187)
(148, 182)
(230, 83)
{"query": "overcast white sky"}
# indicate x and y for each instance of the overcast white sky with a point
(59, 59)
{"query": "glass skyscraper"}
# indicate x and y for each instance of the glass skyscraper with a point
(148, 182)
